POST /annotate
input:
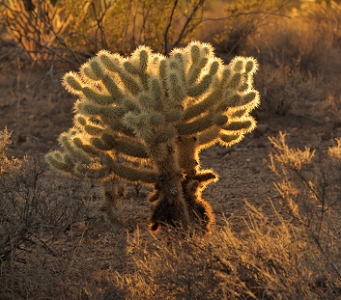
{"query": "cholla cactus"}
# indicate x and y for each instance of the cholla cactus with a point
(145, 118)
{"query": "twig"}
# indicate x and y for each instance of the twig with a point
(182, 33)
(168, 26)
(316, 240)
(42, 244)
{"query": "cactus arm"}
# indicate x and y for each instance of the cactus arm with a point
(123, 145)
(240, 126)
(208, 137)
(134, 175)
(203, 106)
(56, 160)
(113, 64)
(229, 139)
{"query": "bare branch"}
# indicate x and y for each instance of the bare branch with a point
(168, 26)
(189, 19)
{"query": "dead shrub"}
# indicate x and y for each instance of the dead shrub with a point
(35, 216)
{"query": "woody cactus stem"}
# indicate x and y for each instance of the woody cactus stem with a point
(145, 118)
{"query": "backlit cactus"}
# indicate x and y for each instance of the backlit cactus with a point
(145, 118)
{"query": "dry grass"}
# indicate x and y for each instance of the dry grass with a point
(55, 243)
(35, 217)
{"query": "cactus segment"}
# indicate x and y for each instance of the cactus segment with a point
(110, 62)
(80, 120)
(238, 65)
(144, 57)
(214, 68)
(134, 175)
(251, 65)
(195, 126)
(126, 146)
(55, 160)
(208, 137)
(85, 147)
(66, 142)
(95, 173)
(195, 54)
(72, 83)
(93, 130)
(108, 113)
(88, 73)
(100, 144)
(113, 89)
(96, 97)
(156, 93)
(234, 82)
(195, 110)
(239, 114)
(201, 87)
(130, 68)
(177, 95)
(96, 69)
(243, 126)
(227, 140)
(250, 99)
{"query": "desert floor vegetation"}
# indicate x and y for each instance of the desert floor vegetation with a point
(277, 204)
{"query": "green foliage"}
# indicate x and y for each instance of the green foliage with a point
(145, 118)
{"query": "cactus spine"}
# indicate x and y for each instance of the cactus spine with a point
(145, 118)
